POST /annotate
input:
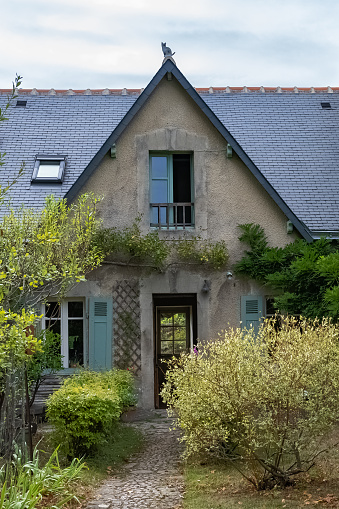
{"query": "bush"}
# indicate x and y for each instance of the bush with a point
(268, 400)
(85, 407)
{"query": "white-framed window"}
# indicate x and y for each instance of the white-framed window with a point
(171, 190)
(49, 169)
(68, 320)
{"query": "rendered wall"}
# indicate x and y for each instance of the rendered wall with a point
(226, 195)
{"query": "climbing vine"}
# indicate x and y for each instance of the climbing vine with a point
(202, 251)
(150, 249)
(130, 242)
(305, 276)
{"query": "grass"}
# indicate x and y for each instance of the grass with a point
(122, 442)
(216, 485)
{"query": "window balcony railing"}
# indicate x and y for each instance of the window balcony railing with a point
(172, 215)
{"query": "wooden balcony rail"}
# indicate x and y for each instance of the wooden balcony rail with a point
(172, 215)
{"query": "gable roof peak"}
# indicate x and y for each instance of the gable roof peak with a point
(168, 54)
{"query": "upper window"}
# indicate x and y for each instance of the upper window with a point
(48, 169)
(172, 201)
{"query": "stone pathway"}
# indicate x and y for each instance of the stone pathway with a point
(153, 478)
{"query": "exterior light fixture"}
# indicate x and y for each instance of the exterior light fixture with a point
(229, 275)
(206, 287)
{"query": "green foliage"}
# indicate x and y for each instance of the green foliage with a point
(254, 236)
(48, 249)
(86, 406)
(15, 341)
(304, 276)
(152, 249)
(268, 400)
(25, 483)
(47, 359)
(197, 250)
(131, 242)
(40, 253)
(122, 442)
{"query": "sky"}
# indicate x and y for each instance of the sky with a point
(82, 44)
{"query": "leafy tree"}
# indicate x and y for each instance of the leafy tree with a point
(264, 403)
(305, 276)
(41, 254)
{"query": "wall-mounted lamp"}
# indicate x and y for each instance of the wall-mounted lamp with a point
(113, 151)
(229, 275)
(289, 227)
(206, 287)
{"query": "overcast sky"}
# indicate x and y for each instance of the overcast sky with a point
(83, 44)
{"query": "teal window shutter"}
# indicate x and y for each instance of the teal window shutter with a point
(251, 311)
(100, 333)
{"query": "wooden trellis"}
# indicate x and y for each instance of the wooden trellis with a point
(126, 325)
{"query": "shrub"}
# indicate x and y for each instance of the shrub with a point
(268, 400)
(85, 407)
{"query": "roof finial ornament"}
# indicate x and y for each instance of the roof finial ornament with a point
(168, 55)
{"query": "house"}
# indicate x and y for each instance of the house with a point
(201, 161)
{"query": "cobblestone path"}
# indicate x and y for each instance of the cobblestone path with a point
(152, 479)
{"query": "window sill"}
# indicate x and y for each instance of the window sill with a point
(172, 229)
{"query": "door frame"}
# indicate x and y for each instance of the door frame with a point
(171, 301)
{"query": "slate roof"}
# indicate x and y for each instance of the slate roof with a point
(287, 138)
(75, 126)
(294, 143)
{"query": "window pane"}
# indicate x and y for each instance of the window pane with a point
(166, 318)
(180, 333)
(167, 347)
(159, 191)
(48, 169)
(52, 310)
(75, 309)
(181, 178)
(166, 333)
(159, 167)
(53, 325)
(179, 318)
(179, 346)
(75, 343)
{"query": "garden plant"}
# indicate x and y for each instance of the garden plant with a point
(86, 406)
(264, 403)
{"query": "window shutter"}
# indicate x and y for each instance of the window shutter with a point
(100, 333)
(251, 311)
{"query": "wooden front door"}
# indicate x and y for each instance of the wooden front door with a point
(174, 333)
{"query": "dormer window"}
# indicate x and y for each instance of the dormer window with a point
(48, 169)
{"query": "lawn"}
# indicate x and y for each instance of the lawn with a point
(216, 485)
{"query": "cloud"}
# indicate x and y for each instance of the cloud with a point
(81, 43)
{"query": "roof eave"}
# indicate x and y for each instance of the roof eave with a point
(328, 234)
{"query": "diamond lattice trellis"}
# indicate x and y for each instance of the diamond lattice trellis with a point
(126, 325)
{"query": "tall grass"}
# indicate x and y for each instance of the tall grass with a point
(24, 483)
